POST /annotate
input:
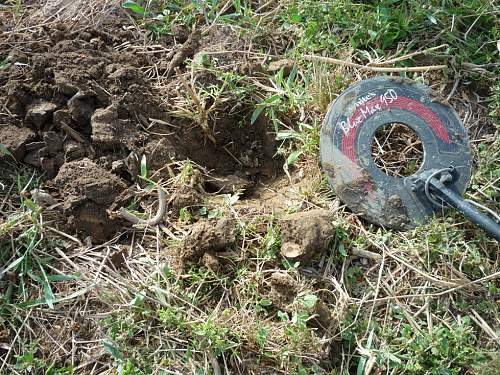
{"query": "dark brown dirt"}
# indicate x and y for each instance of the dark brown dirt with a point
(76, 108)
(186, 196)
(15, 140)
(248, 149)
(305, 234)
(110, 132)
(87, 190)
(180, 54)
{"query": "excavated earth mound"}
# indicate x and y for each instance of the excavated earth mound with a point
(82, 111)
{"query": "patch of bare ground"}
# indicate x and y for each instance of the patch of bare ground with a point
(77, 95)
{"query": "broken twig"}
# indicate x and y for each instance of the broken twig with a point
(330, 60)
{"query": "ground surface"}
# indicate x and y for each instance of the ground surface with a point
(162, 209)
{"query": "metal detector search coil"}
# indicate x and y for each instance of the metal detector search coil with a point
(346, 143)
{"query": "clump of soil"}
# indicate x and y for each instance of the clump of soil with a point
(229, 184)
(208, 237)
(305, 234)
(285, 291)
(78, 108)
(88, 190)
(15, 140)
(109, 131)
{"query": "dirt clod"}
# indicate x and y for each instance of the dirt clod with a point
(395, 212)
(15, 140)
(186, 50)
(208, 236)
(160, 153)
(53, 143)
(323, 316)
(211, 261)
(286, 64)
(81, 107)
(229, 184)
(109, 131)
(65, 85)
(185, 196)
(305, 234)
(283, 289)
(38, 113)
(88, 191)
(83, 179)
(73, 150)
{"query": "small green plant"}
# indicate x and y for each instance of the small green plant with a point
(4, 151)
(448, 349)
(172, 318)
(308, 301)
(272, 243)
(4, 63)
(124, 366)
(261, 338)
(134, 7)
(28, 362)
(289, 96)
(296, 327)
(185, 215)
(210, 335)
(186, 172)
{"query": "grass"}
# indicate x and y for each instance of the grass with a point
(426, 304)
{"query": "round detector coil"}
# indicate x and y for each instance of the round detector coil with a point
(346, 141)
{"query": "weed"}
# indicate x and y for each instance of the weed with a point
(172, 318)
(28, 259)
(271, 244)
(288, 96)
(446, 349)
(211, 335)
(134, 7)
(4, 63)
(28, 362)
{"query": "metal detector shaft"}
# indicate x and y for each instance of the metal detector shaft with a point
(467, 209)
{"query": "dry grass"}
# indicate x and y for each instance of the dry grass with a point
(397, 150)
(89, 12)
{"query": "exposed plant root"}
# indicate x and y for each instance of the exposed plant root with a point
(155, 220)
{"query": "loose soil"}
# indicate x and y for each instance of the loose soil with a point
(83, 113)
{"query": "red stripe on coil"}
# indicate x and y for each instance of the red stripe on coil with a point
(414, 106)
